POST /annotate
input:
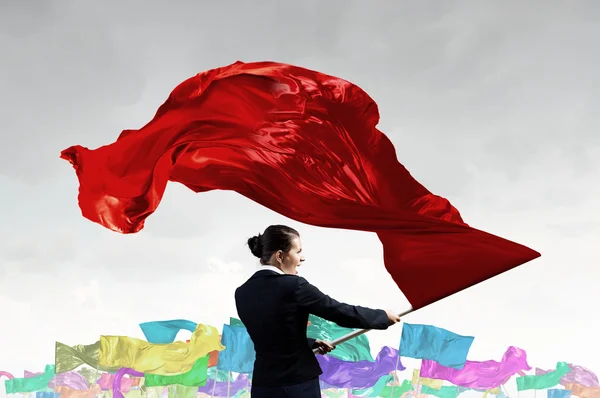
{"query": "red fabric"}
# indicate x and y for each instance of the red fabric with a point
(213, 358)
(305, 145)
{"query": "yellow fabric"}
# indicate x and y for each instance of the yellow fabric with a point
(154, 392)
(431, 383)
(415, 376)
(134, 394)
(179, 391)
(163, 359)
(68, 358)
(424, 381)
(493, 391)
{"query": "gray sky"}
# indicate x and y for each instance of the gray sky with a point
(490, 104)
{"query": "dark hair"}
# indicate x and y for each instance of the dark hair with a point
(275, 238)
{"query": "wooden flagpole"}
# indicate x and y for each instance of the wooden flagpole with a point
(395, 370)
(355, 333)
(228, 382)
(212, 394)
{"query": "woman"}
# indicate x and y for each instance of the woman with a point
(274, 305)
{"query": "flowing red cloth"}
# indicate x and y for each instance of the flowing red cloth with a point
(303, 144)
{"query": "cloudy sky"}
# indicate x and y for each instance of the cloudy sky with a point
(490, 104)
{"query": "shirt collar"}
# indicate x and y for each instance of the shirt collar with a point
(270, 268)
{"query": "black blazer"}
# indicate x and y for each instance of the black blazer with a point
(275, 308)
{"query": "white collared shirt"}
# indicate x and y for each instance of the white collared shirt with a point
(270, 268)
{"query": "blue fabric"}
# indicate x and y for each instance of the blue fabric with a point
(46, 394)
(558, 393)
(238, 355)
(436, 344)
(165, 332)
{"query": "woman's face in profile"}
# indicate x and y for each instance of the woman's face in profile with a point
(293, 258)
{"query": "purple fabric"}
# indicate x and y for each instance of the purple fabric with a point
(577, 375)
(72, 380)
(479, 375)
(221, 389)
(359, 374)
(107, 380)
(119, 376)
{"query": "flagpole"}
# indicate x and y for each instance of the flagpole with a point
(215, 383)
(228, 381)
(355, 333)
(395, 370)
(418, 389)
(96, 380)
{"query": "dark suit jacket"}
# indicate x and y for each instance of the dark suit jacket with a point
(275, 308)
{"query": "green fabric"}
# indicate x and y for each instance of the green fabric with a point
(444, 392)
(235, 322)
(334, 393)
(542, 382)
(376, 389)
(195, 377)
(30, 384)
(178, 391)
(212, 372)
(397, 391)
(357, 349)
(90, 375)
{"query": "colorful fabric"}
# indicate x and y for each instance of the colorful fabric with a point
(542, 382)
(30, 384)
(577, 375)
(67, 358)
(117, 383)
(559, 393)
(163, 359)
(239, 354)
(165, 332)
(360, 374)
(357, 349)
(479, 375)
(195, 377)
(436, 344)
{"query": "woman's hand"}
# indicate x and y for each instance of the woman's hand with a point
(323, 347)
(393, 317)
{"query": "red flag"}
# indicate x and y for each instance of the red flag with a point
(305, 145)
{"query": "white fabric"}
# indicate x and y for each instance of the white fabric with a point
(270, 268)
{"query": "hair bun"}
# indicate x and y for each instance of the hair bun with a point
(255, 246)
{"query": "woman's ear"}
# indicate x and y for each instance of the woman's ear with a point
(279, 256)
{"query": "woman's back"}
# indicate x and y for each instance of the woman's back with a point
(267, 306)
(274, 305)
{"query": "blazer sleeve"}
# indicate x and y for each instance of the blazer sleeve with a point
(317, 303)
